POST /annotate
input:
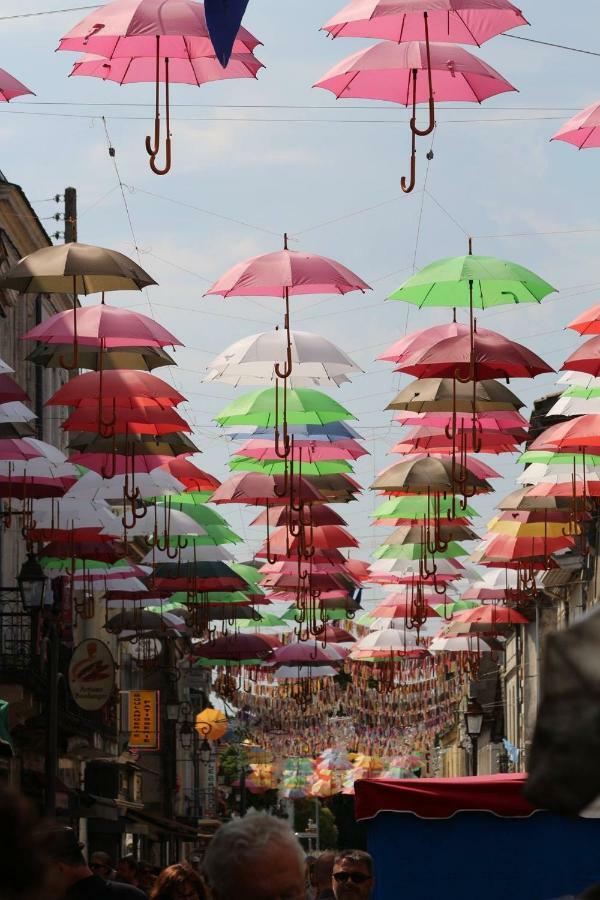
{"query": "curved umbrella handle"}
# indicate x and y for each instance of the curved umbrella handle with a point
(431, 124)
(409, 186)
(153, 148)
(168, 160)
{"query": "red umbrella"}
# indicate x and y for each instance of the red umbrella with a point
(585, 359)
(149, 420)
(117, 385)
(11, 88)
(504, 547)
(333, 634)
(100, 551)
(418, 442)
(320, 514)
(582, 433)
(10, 390)
(100, 462)
(402, 610)
(492, 615)
(102, 326)
(321, 537)
(236, 647)
(308, 654)
(195, 479)
(588, 322)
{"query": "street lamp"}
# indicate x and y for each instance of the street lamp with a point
(473, 725)
(32, 582)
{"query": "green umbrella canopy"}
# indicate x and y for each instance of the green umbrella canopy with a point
(184, 503)
(557, 459)
(215, 536)
(266, 620)
(415, 507)
(366, 620)
(226, 598)
(496, 282)
(328, 615)
(415, 551)
(454, 606)
(278, 466)
(582, 393)
(305, 406)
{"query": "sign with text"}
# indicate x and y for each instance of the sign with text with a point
(91, 675)
(144, 721)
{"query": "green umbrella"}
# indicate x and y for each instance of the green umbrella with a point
(494, 282)
(454, 606)
(267, 620)
(184, 501)
(582, 392)
(278, 466)
(415, 507)
(415, 551)
(226, 598)
(366, 621)
(305, 406)
(548, 457)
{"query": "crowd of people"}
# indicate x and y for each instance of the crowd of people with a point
(255, 858)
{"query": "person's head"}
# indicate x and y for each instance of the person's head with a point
(257, 858)
(146, 877)
(22, 862)
(101, 864)
(352, 877)
(178, 882)
(321, 872)
(64, 853)
(127, 870)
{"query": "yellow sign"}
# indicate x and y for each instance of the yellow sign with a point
(144, 727)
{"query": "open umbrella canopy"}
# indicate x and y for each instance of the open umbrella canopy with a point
(409, 534)
(508, 421)
(126, 28)
(143, 444)
(279, 466)
(75, 268)
(287, 273)
(148, 420)
(51, 356)
(421, 475)
(491, 614)
(252, 360)
(384, 72)
(308, 654)
(235, 647)
(307, 451)
(416, 551)
(305, 406)
(583, 130)
(331, 432)
(415, 507)
(195, 70)
(10, 87)
(116, 385)
(320, 514)
(102, 326)
(491, 355)
(436, 394)
(495, 282)
(257, 489)
(455, 21)
(589, 321)
(585, 359)
(321, 537)
(582, 433)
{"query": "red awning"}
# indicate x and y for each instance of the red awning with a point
(440, 798)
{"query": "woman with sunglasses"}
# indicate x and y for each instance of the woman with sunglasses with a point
(352, 877)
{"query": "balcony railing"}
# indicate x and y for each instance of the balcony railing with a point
(18, 651)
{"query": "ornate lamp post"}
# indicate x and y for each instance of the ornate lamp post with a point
(473, 725)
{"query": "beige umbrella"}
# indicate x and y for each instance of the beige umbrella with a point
(428, 474)
(520, 500)
(143, 358)
(413, 534)
(438, 394)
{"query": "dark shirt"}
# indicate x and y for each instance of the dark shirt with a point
(327, 894)
(95, 888)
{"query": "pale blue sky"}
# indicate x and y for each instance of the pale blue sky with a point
(280, 156)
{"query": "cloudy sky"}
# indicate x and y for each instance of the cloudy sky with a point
(253, 159)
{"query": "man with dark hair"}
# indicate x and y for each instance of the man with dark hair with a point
(101, 864)
(352, 877)
(321, 875)
(72, 875)
(128, 870)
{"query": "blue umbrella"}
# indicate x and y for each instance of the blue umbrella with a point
(223, 18)
(333, 431)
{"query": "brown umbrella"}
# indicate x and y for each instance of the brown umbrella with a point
(520, 500)
(75, 268)
(438, 394)
(419, 476)
(143, 358)
(167, 445)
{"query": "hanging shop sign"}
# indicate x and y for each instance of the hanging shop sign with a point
(91, 675)
(144, 721)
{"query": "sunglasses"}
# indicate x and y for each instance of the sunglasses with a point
(354, 877)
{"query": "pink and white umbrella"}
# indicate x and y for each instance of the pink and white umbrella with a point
(412, 73)
(583, 130)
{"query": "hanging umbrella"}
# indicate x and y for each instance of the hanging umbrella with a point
(278, 466)
(508, 421)
(51, 356)
(491, 615)
(255, 489)
(195, 70)
(172, 29)
(116, 386)
(460, 644)
(588, 322)
(422, 475)
(305, 450)
(585, 358)
(11, 88)
(102, 326)
(583, 129)
(224, 19)
(411, 73)
(305, 406)
(436, 394)
(321, 514)
(252, 360)
(235, 647)
(455, 21)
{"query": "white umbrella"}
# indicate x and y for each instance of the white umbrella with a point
(210, 553)
(575, 406)
(15, 411)
(156, 483)
(557, 473)
(427, 629)
(164, 520)
(5, 369)
(47, 451)
(39, 467)
(579, 379)
(69, 513)
(387, 639)
(464, 644)
(251, 360)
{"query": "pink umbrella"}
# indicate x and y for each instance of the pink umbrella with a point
(165, 30)
(413, 73)
(102, 326)
(307, 450)
(198, 70)
(583, 130)
(506, 421)
(11, 88)
(454, 21)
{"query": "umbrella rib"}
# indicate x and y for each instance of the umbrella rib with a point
(459, 16)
